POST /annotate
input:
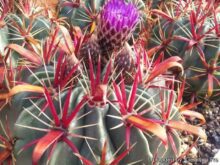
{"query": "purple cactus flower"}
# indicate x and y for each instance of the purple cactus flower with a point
(117, 22)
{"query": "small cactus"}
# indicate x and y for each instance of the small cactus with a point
(125, 63)
(90, 48)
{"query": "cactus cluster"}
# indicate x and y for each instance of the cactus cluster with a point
(82, 84)
(191, 32)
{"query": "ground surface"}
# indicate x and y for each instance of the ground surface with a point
(203, 153)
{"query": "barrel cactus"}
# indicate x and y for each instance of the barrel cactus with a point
(77, 99)
(191, 32)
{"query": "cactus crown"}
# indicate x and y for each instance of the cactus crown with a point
(119, 14)
(117, 22)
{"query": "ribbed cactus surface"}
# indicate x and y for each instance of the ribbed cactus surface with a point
(80, 86)
(192, 34)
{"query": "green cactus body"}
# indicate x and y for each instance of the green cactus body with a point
(100, 122)
(198, 71)
(84, 19)
(66, 9)
(93, 95)
(38, 28)
(22, 30)
(25, 135)
(169, 46)
(3, 38)
(177, 38)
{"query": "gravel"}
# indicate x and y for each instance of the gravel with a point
(204, 152)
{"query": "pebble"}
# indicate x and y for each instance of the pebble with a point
(216, 139)
(216, 159)
(215, 151)
(208, 145)
(194, 151)
(217, 123)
